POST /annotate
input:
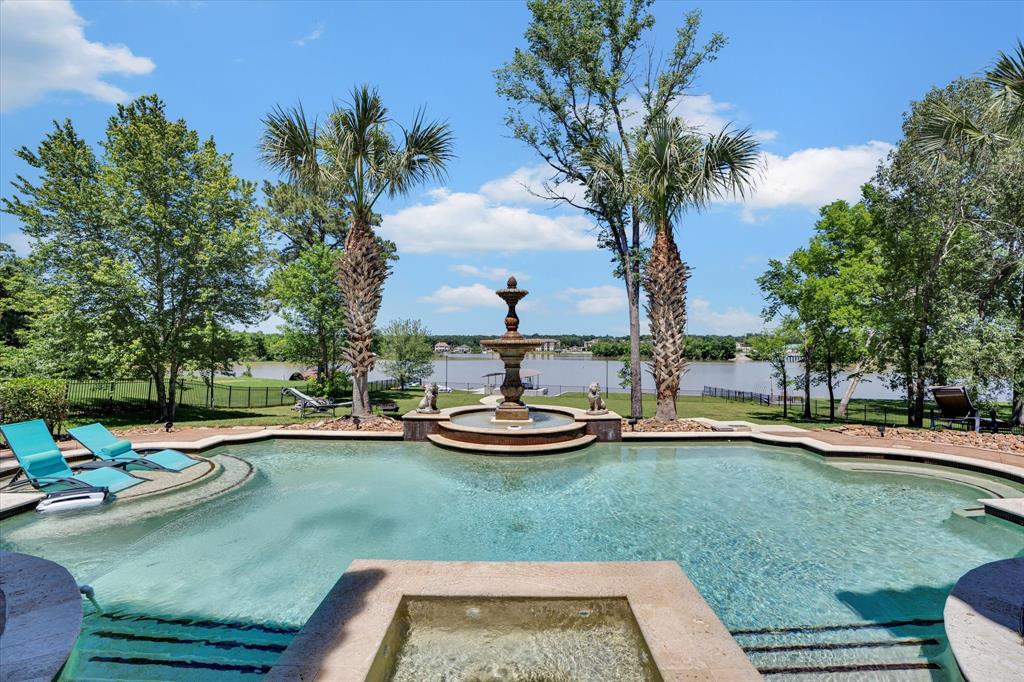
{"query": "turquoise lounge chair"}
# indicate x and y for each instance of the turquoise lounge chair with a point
(44, 466)
(108, 447)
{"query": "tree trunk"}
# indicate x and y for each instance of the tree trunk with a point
(170, 407)
(918, 409)
(851, 386)
(785, 391)
(159, 379)
(665, 278)
(807, 382)
(831, 391)
(636, 396)
(1018, 403)
(361, 275)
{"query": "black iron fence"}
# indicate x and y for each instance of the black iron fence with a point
(140, 395)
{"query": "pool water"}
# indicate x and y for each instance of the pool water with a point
(539, 419)
(518, 640)
(789, 551)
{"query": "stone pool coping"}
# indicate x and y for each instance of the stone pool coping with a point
(983, 616)
(341, 639)
(40, 617)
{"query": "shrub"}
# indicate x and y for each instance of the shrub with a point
(25, 399)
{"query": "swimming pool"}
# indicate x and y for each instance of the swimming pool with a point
(804, 562)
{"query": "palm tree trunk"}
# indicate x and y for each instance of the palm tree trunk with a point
(636, 396)
(665, 278)
(361, 274)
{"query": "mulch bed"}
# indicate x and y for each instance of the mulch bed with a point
(1005, 442)
(374, 423)
(654, 426)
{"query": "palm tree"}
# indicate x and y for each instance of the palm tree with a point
(356, 157)
(948, 126)
(678, 169)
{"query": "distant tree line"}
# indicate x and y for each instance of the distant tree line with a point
(698, 348)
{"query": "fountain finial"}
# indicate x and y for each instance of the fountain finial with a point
(512, 283)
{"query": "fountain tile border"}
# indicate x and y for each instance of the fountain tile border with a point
(341, 639)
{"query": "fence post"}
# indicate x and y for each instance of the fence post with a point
(229, 396)
(266, 396)
(248, 399)
(865, 413)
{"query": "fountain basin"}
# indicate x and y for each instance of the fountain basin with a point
(474, 429)
(538, 419)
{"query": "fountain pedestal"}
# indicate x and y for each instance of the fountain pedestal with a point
(511, 347)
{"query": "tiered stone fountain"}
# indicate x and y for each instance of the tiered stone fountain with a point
(511, 348)
(512, 428)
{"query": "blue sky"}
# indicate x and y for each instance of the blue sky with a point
(825, 84)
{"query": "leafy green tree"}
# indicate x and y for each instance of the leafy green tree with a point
(303, 218)
(306, 294)
(575, 93)
(827, 289)
(773, 347)
(407, 353)
(12, 312)
(930, 216)
(357, 158)
(215, 351)
(144, 245)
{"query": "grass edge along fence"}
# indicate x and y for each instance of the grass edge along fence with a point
(87, 397)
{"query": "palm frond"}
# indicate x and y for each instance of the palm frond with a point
(428, 147)
(946, 126)
(731, 165)
(1006, 78)
(289, 144)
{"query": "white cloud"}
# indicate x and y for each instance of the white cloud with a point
(449, 299)
(811, 178)
(524, 184)
(43, 48)
(460, 222)
(598, 300)
(732, 321)
(315, 34)
(702, 112)
(493, 274)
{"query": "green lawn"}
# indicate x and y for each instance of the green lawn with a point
(689, 406)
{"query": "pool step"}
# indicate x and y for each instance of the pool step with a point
(902, 651)
(132, 647)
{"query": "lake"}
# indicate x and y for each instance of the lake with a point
(571, 373)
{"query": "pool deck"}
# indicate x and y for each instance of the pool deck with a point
(983, 620)
(342, 639)
(40, 617)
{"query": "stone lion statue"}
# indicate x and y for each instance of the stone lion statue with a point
(428, 404)
(597, 405)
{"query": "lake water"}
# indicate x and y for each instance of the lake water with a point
(566, 373)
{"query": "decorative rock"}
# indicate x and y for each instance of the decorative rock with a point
(428, 405)
(597, 405)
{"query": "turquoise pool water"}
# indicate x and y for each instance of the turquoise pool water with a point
(775, 539)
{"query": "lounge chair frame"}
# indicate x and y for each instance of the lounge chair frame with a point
(304, 402)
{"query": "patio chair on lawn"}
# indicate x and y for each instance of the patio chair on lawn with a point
(304, 402)
(107, 447)
(44, 467)
(956, 407)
